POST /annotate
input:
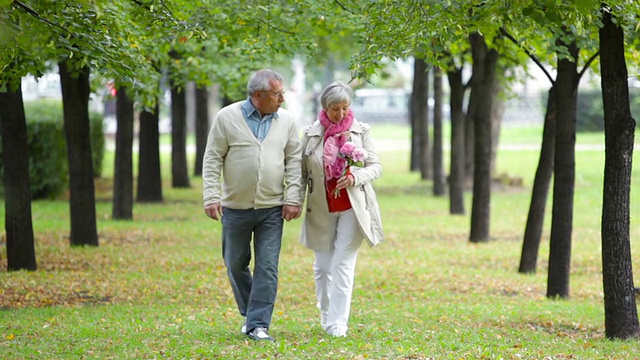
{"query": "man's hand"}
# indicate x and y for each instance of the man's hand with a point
(214, 211)
(290, 212)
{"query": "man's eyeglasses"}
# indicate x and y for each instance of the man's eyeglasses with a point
(277, 93)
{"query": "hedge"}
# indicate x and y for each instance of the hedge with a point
(590, 110)
(48, 168)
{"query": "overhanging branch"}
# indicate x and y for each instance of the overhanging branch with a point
(588, 64)
(343, 7)
(529, 54)
(35, 14)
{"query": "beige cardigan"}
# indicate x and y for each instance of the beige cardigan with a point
(317, 230)
(254, 174)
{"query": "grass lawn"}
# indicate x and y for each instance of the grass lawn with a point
(156, 287)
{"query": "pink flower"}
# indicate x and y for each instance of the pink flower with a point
(359, 154)
(349, 155)
(347, 149)
(353, 154)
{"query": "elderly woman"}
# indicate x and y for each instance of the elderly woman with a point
(339, 163)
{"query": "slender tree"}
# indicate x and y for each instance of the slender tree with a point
(420, 116)
(438, 167)
(497, 113)
(484, 66)
(17, 217)
(539, 193)
(456, 174)
(149, 171)
(74, 79)
(546, 163)
(414, 152)
(469, 136)
(201, 126)
(18, 57)
(179, 168)
(564, 170)
(123, 173)
(620, 310)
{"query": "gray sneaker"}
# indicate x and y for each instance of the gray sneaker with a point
(260, 334)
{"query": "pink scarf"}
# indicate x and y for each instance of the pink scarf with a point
(335, 135)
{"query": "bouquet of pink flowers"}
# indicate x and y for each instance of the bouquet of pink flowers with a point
(349, 155)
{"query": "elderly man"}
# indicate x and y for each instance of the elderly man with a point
(254, 147)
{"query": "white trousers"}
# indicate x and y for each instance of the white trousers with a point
(335, 273)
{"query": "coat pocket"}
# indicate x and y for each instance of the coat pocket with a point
(310, 185)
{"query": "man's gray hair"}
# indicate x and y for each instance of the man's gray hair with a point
(259, 81)
(334, 93)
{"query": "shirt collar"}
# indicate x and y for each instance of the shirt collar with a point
(249, 109)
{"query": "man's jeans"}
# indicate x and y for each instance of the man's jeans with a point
(255, 296)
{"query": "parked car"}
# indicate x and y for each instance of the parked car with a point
(381, 105)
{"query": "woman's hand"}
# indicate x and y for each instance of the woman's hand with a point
(345, 181)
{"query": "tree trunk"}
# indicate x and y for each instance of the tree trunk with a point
(414, 154)
(149, 176)
(438, 167)
(497, 112)
(123, 172)
(469, 139)
(540, 191)
(18, 225)
(564, 178)
(484, 67)
(414, 164)
(456, 175)
(420, 114)
(202, 126)
(179, 169)
(75, 100)
(620, 311)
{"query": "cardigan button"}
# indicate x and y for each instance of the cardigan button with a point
(308, 210)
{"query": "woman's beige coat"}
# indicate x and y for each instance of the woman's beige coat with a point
(318, 231)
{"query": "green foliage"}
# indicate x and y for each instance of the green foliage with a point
(438, 30)
(98, 34)
(244, 36)
(48, 165)
(136, 42)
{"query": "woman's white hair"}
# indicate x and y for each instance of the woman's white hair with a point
(334, 93)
